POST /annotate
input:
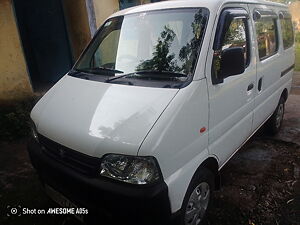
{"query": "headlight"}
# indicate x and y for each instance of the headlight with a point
(130, 169)
(34, 131)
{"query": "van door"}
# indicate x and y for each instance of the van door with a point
(231, 102)
(269, 62)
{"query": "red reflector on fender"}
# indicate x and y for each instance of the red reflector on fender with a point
(203, 129)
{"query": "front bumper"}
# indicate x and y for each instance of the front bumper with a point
(106, 199)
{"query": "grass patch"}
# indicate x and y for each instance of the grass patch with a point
(15, 120)
(297, 61)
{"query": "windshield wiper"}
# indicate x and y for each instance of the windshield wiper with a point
(164, 74)
(99, 70)
(149, 73)
(117, 77)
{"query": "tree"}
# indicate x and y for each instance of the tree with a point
(162, 60)
(284, 1)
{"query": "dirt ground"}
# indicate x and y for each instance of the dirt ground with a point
(260, 184)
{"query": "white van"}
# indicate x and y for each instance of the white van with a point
(159, 101)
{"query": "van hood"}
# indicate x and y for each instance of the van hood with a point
(97, 118)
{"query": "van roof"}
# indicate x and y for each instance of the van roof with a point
(212, 5)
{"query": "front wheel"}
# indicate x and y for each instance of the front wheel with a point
(198, 198)
(275, 121)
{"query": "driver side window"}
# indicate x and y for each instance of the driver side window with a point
(236, 35)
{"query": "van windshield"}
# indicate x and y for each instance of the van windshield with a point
(157, 46)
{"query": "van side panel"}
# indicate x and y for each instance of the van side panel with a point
(176, 140)
(288, 59)
(231, 104)
(269, 74)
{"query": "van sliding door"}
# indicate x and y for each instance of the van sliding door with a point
(269, 63)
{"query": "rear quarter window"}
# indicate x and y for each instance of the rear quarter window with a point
(287, 32)
(266, 35)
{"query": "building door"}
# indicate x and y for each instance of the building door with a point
(130, 3)
(45, 40)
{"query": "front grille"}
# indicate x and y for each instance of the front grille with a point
(80, 162)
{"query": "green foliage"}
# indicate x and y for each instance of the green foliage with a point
(297, 45)
(284, 1)
(297, 62)
(297, 37)
(15, 120)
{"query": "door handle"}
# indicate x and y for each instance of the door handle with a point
(250, 87)
(259, 84)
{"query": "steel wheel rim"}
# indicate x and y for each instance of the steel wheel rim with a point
(197, 204)
(279, 115)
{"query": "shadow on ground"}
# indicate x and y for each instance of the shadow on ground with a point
(20, 188)
(260, 185)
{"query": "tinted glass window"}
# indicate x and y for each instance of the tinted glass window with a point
(236, 36)
(165, 42)
(266, 32)
(287, 32)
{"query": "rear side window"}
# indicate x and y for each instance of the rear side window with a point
(287, 30)
(266, 34)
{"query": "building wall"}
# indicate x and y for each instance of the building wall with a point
(77, 25)
(104, 8)
(14, 79)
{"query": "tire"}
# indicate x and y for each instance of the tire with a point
(275, 122)
(201, 186)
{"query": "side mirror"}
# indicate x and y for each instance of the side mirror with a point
(232, 62)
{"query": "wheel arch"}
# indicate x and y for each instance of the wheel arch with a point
(211, 163)
(285, 94)
(179, 187)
